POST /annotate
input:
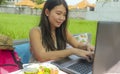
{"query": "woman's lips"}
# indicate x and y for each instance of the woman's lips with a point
(59, 23)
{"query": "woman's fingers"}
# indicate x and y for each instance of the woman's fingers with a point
(85, 54)
(89, 56)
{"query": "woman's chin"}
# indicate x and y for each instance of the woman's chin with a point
(58, 25)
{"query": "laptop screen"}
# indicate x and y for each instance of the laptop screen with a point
(107, 51)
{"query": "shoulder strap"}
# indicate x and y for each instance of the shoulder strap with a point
(18, 62)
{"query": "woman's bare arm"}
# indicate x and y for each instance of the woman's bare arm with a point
(39, 51)
(40, 54)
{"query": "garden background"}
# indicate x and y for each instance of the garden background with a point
(17, 26)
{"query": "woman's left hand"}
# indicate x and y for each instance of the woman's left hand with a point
(86, 46)
(90, 48)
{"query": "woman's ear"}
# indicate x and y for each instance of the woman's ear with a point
(46, 12)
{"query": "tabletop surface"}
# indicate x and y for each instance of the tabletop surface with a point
(30, 65)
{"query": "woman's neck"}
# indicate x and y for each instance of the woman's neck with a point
(53, 29)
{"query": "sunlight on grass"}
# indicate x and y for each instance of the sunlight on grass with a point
(18, 26)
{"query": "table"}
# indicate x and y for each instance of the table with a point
(25, 65)
(21, 72)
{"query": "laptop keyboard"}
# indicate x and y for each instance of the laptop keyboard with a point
(83, 67)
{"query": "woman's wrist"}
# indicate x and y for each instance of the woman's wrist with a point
(83, 45)
(78, 52)
(73, 50)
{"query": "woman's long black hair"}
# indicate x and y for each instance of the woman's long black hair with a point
(60, 32)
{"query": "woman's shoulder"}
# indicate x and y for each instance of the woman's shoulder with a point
(35, 31)
(36, 28)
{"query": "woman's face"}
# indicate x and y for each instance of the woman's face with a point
(56, 16)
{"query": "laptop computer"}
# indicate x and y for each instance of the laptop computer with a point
(106, 52)
(74, 65)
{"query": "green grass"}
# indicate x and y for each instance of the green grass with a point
(18, 26)
(77, 26)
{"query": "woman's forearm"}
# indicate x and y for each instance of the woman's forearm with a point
(54, 55)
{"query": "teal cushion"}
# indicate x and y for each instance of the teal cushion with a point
(23, 51)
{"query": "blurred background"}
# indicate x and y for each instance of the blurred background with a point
(17, 17)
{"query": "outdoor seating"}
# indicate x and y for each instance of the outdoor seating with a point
(22, 47)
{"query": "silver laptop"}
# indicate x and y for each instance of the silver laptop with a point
(72, 65)
(107, 46)
(106, 53)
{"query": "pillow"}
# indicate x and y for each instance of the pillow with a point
(83, 37)
(23, 51)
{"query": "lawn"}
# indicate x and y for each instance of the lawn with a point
(18, 26)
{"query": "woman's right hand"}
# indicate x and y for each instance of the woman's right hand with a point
(83, 53)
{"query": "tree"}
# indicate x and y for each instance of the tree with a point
(2, 2)
(38, 1)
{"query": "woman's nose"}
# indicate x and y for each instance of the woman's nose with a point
(62, 18)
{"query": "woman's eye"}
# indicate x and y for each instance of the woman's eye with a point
(58, 14)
